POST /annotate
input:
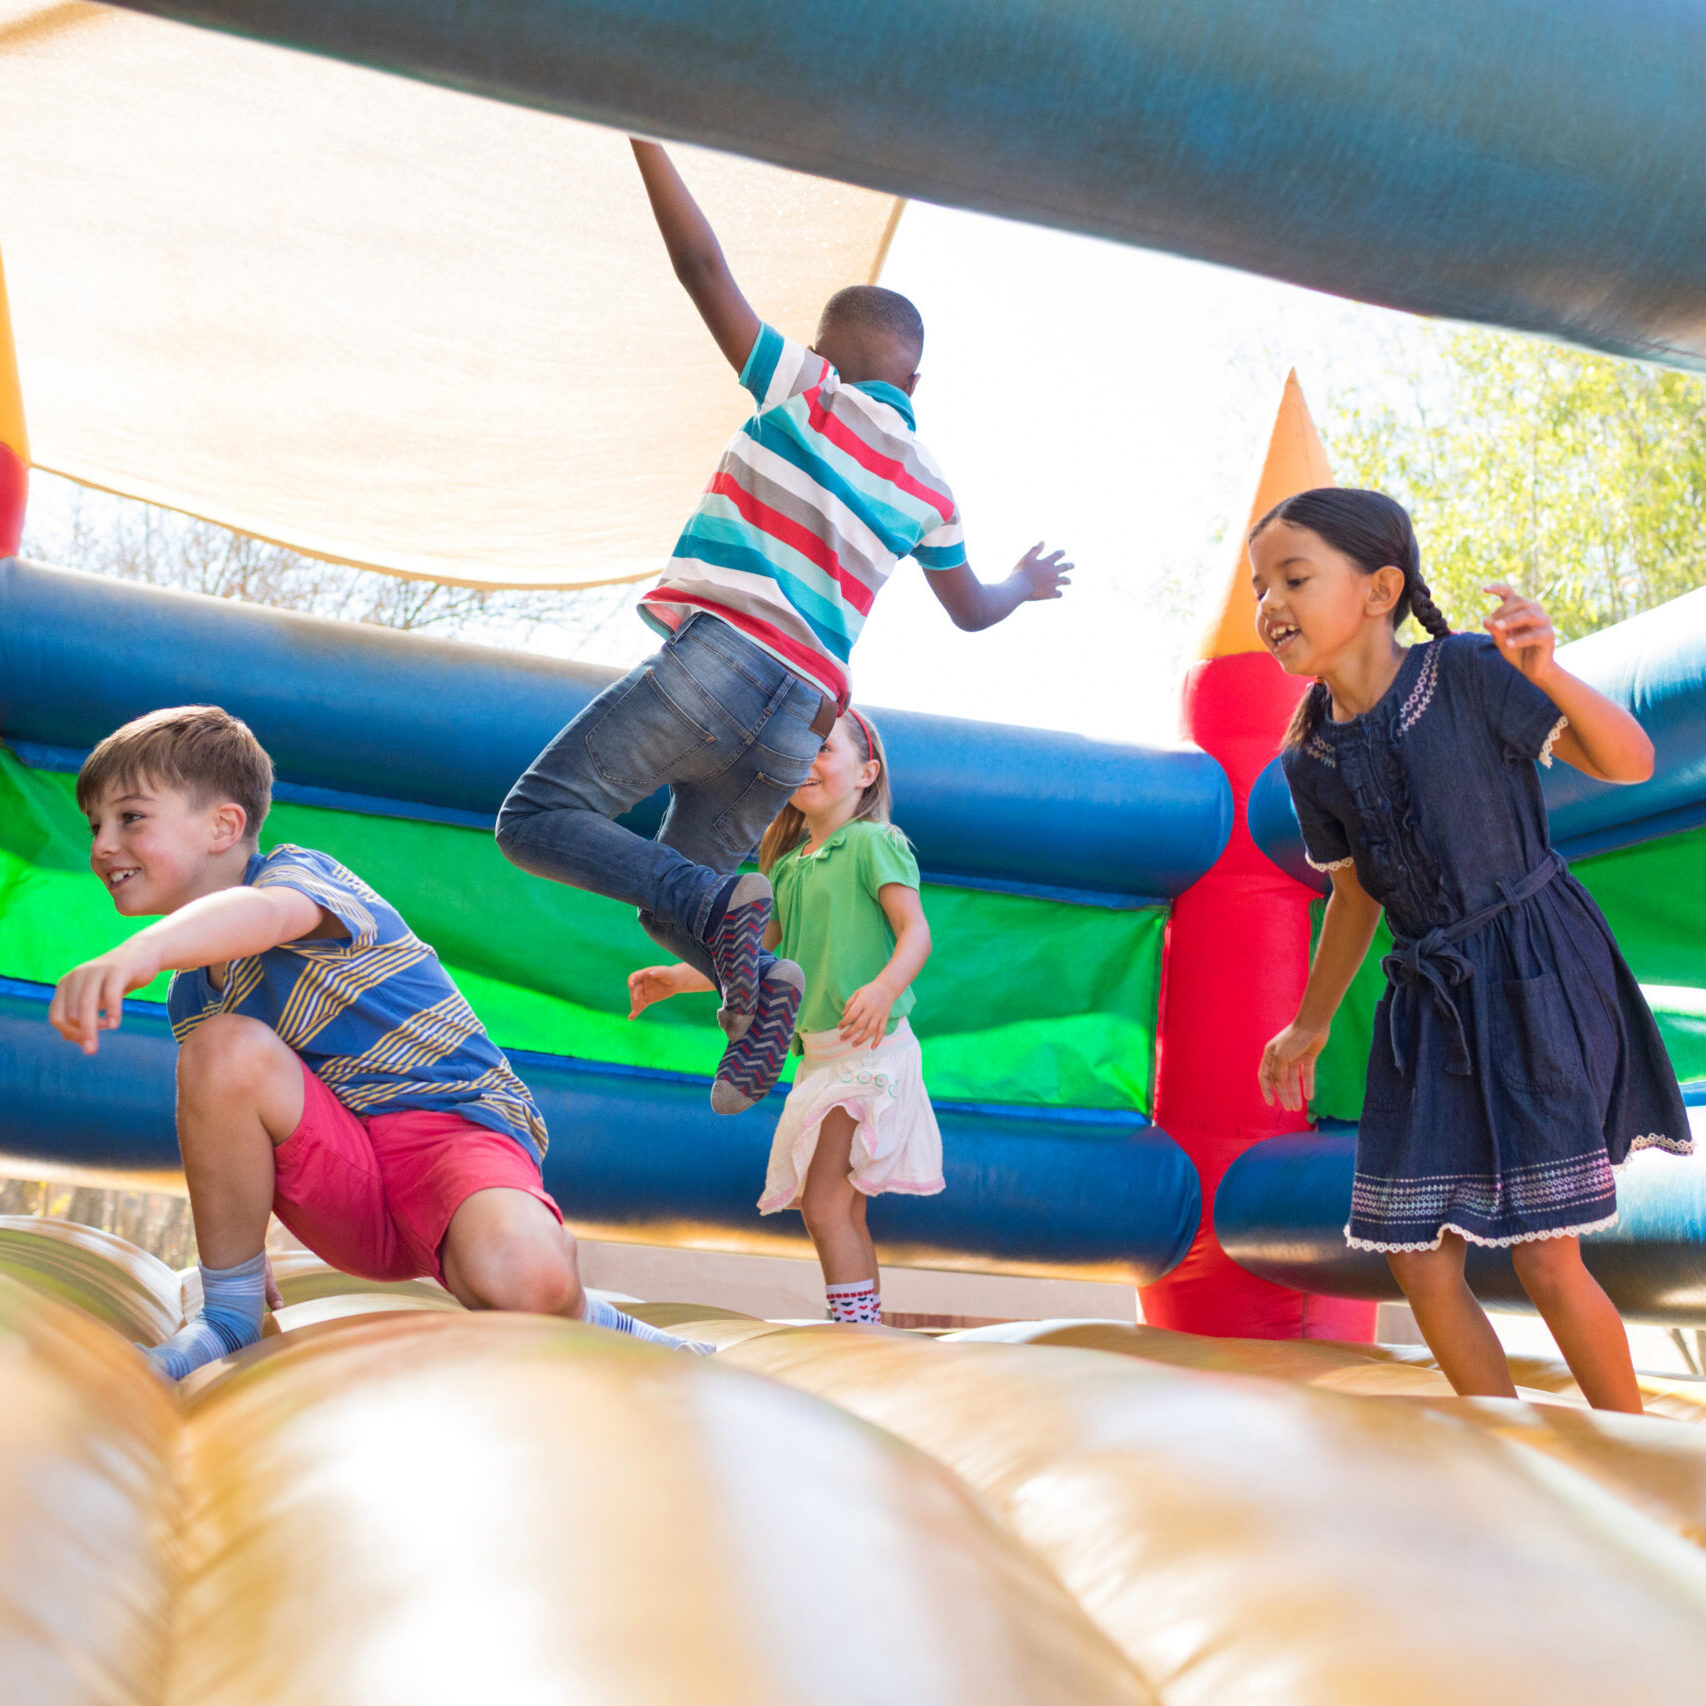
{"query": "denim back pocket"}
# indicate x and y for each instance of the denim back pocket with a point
(644, 739)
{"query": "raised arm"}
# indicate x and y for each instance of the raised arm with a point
(1287, 1070)
(697, 256)
(975, 604)
(1602, 740)
(229, 925)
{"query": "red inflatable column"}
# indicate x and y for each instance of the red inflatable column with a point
(14, 447)
(1237, 950)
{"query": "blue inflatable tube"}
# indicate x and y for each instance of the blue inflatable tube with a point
(376, 720)
(1281, 1209)
(1653, 664)
(1529, 163)
(636, 1152)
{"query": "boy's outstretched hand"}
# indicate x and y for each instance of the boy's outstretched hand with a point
(89, 999)
(1043, 576)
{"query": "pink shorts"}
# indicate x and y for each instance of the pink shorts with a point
(374, 1197)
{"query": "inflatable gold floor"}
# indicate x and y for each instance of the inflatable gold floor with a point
(391, 1502)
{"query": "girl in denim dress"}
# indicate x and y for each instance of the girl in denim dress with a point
(1515, 1063)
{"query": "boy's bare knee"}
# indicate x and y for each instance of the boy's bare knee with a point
(533, 1276)
(230, 1052)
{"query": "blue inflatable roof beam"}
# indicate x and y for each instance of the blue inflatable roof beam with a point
(642, 1152)
(376, 716)
(1281, 1209)
(1653, 664)
(1528, 163)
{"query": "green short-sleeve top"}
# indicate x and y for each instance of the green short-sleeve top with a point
(832, 923)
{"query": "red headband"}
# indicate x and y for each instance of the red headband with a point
(865, 730)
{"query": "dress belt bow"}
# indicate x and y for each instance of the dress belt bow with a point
(1434, 962)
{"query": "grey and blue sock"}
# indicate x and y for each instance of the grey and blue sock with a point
(612, 1320)
(233, 1301)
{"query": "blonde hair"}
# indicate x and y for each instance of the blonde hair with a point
(209, 754)
(789, 829)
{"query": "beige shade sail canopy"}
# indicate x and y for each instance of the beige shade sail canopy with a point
(373, 320)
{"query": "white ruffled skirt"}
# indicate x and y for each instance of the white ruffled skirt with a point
(897, 1145)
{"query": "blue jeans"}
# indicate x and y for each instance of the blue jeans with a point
(724, 724)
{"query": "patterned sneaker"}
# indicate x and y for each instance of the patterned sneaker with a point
(751, 1064)
(737, 946)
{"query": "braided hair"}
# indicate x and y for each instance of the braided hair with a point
(1374, 531)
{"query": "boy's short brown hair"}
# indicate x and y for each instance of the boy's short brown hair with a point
(209, 754)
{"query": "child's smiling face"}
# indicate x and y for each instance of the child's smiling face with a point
(154, 848)
(839, 776)
(1313, 604)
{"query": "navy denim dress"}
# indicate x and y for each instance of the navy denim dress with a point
(1515, 1061)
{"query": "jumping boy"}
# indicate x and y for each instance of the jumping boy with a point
(815, 500)
(328, 1069)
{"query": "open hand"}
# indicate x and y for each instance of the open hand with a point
(1287, 1072)
(865, 1018)
(649, 984)
(1522, 630)
(1043, 576)
(90, 998)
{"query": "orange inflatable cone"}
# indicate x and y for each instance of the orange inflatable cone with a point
(1237, 946)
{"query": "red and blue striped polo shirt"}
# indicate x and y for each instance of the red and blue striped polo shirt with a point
(815, 500)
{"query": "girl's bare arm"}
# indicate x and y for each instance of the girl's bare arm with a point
(1287, 1070)
(1602, 740)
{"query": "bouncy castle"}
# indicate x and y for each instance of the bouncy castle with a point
(1245, 1498)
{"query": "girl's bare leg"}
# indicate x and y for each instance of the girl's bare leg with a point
(1453, 1323)
(859, 1202)
(1582, 1319)
(834, 1211)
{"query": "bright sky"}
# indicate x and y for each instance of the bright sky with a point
(1109, 400)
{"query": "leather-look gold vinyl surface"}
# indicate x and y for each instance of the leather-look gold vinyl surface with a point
(98, 1272)
(392, 1500)
(87, 1508)
(1249, 1539)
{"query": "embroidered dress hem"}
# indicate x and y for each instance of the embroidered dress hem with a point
(1485, 1242)
(1655, 1140)
(897, 1145)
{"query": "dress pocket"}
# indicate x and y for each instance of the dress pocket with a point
(645, 739)
(1532, 1036)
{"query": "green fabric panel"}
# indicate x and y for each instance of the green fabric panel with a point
(1653, 899)
(1343, 1067)
(1655, 902)
(1024, 1000)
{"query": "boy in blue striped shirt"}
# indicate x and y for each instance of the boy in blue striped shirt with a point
(329, 1071)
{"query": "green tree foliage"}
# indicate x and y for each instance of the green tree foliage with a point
(1578, 478)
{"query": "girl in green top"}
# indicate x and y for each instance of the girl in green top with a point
(858, 1120)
